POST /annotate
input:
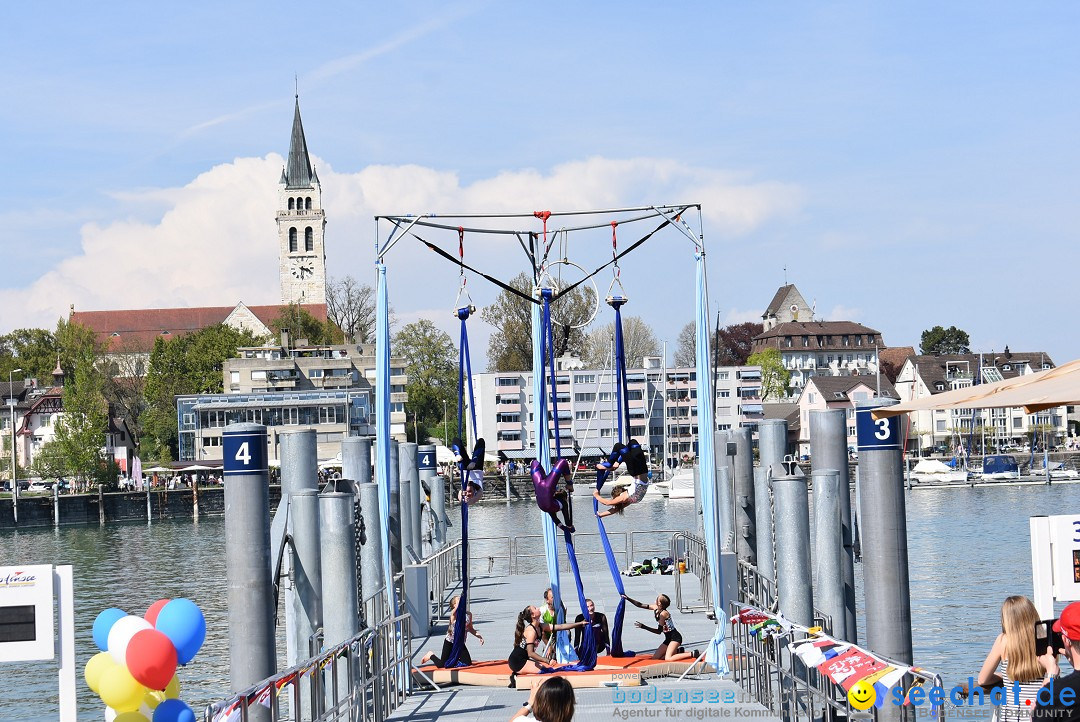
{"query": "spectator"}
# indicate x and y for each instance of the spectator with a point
(552, 700)
(1052, 706)
(1012, 659)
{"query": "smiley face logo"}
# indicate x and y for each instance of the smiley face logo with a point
(861, 696)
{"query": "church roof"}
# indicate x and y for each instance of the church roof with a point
(134, 330)
(776, 303)
(298, 172)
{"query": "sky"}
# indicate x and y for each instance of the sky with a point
(906, 165)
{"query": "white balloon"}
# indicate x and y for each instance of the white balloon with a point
(110, 714)
(121, 633)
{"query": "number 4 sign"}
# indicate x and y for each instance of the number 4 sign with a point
(244, 450)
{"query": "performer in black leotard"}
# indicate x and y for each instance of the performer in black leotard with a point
(527, 633)
(448, 642)
(669, 648)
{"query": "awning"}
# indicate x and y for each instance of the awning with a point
(518, 454)
(1033, 392)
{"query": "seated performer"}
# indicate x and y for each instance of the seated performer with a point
(448, 643)
(549, 497)
(672, 643)
(637, 466)
(599, 629)
(527, 633)
(474, 470)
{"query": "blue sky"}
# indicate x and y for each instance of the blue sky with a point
(911, 164)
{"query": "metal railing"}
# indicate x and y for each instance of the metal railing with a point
(363, 679)
(444, 576)
(694, 560)
(521, 554)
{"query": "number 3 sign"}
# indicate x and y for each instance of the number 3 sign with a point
(876, 433)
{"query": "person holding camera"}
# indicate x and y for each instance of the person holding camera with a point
(1062, 704)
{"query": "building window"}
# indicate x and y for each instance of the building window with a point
(316, 373)
(309, 240)
(724, 394)
(507, 381)
(307, 204)
(805, 341)
(234, 378)
(722, 375)
(584, 397)
(292, 240)
(330, 415)
(584, 378)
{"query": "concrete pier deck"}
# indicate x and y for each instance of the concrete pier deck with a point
(495, 603)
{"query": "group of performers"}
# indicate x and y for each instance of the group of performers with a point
(536, 625)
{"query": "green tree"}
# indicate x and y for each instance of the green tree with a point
(31, 349)
(80, 432)
(774, 377)
(510, 346)
(639, 341)
(939, 341)
(431, 364)
(190, 364)
(302, 325)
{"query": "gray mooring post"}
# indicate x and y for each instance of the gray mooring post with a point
(793, 572)
(425, 464)
(299, 473)
(772, 445)
(416, 494)
(828, 450)
(883, 516)
(407, 477)
(829, 548)
(438, 510)
(149, 512)
(725, 504)
(745, 543)
(356, 458)
(299, 460)
(395, 510)
(56, 504)
(371, 551)
(250, 587)
(763, 525)
(340, 606)
(305, 523)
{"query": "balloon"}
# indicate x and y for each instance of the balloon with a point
(121, 633)
(182, 621)
(151, 700)
(173, 690)
(110, 714)
(154, 610)
(119, 689)
(131, 717)
(103, 623)
(173, 710)
(151, 658)
(95, 668)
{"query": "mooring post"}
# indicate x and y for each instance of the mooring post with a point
(406, 478)
(829, 450)
(195, 499)
(250, 588)
(772, 445)
(100, 504)
(763, 526)
(425, 464)
(725, 505)
(395, 531)
(356, 458)
(56, 504)
(438, 511)
(299, 473)
(341, 618)
(793, 572)
(745, 542)
(371, 549)
(829, 548)
(883, 513)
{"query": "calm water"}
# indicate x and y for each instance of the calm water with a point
(968, 551)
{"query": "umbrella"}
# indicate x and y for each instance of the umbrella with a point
(330, 464)
(443, 455)
(158, 469)
(199, 467)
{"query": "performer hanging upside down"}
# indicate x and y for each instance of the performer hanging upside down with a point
(637, 466)
(474, 470)
(549, 497)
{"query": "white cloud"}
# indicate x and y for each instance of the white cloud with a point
(844, 313)
(215, 241)
(734, 316)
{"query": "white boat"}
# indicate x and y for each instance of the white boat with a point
(932, 470)
(1058, 471)
(678, 486)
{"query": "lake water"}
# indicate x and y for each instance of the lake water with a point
(969, 550)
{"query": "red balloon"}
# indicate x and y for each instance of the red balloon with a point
(152, 612)
(151, 659)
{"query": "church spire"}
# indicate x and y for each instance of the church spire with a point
(298, 173)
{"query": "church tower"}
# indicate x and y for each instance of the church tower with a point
(301, 225)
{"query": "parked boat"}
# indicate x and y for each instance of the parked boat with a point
(1000, 466)
(1058, 471)
(679, 485)
(934, 471)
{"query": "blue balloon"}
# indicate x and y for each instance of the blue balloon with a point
(173, 710)
(103, 624)
(183, 623)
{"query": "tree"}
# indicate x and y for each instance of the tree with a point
(125, 386)
(938, 341)
(31, 349)
(431, 364)
(734, 343)
(302, 325)
(774, 377)
(190, 364)
(80, 433)
(638, 342)
(510, 347)
(686, 346)
(351, 307)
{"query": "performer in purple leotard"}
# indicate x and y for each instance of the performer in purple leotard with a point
(549, 497)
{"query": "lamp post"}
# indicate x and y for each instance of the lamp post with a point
(14, 476)
(445, 436)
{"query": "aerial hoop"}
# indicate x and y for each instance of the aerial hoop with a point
(548, 281)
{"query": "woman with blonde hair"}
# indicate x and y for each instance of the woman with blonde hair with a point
(1012, 660)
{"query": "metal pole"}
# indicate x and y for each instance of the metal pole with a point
(299, 473)
(416, 496)
(745, 541)
(371, 552)
(772, 445)
(829, 450)
(340, 617)
(763, 524)
(793, 572)
(883, 511)
(14, 472)
(438, 509)
(250, 588)
(408, 479)
(356, 458)
(395, 510)
(829, 548)
(725, 506)
(425, 464)
(299, 460)
(306, 567)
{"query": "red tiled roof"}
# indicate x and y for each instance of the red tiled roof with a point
(136, 329)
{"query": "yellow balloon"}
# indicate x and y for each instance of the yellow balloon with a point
(95, 668)
(152, 699)
(119, 690)
(172, 689)
(130, 717)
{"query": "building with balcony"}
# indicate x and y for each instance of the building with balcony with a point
(822, 348)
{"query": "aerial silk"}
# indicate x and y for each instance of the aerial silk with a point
(586, 653)
(382, 429)
(464, 381)
(716, 652)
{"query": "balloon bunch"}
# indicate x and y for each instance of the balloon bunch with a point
(135, 671)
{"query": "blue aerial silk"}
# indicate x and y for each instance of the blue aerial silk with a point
(716, 653)
(464, 381)
(382, 428)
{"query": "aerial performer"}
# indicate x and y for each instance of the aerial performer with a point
(549, 497)
(473, 484)
(669, 647)
(637, 466)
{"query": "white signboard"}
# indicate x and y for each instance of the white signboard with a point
(1055, 560)
(26, 614)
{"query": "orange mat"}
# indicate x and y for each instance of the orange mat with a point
(609, 671)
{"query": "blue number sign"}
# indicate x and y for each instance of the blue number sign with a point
(876, 433)
(426, 461)
(245, 452)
